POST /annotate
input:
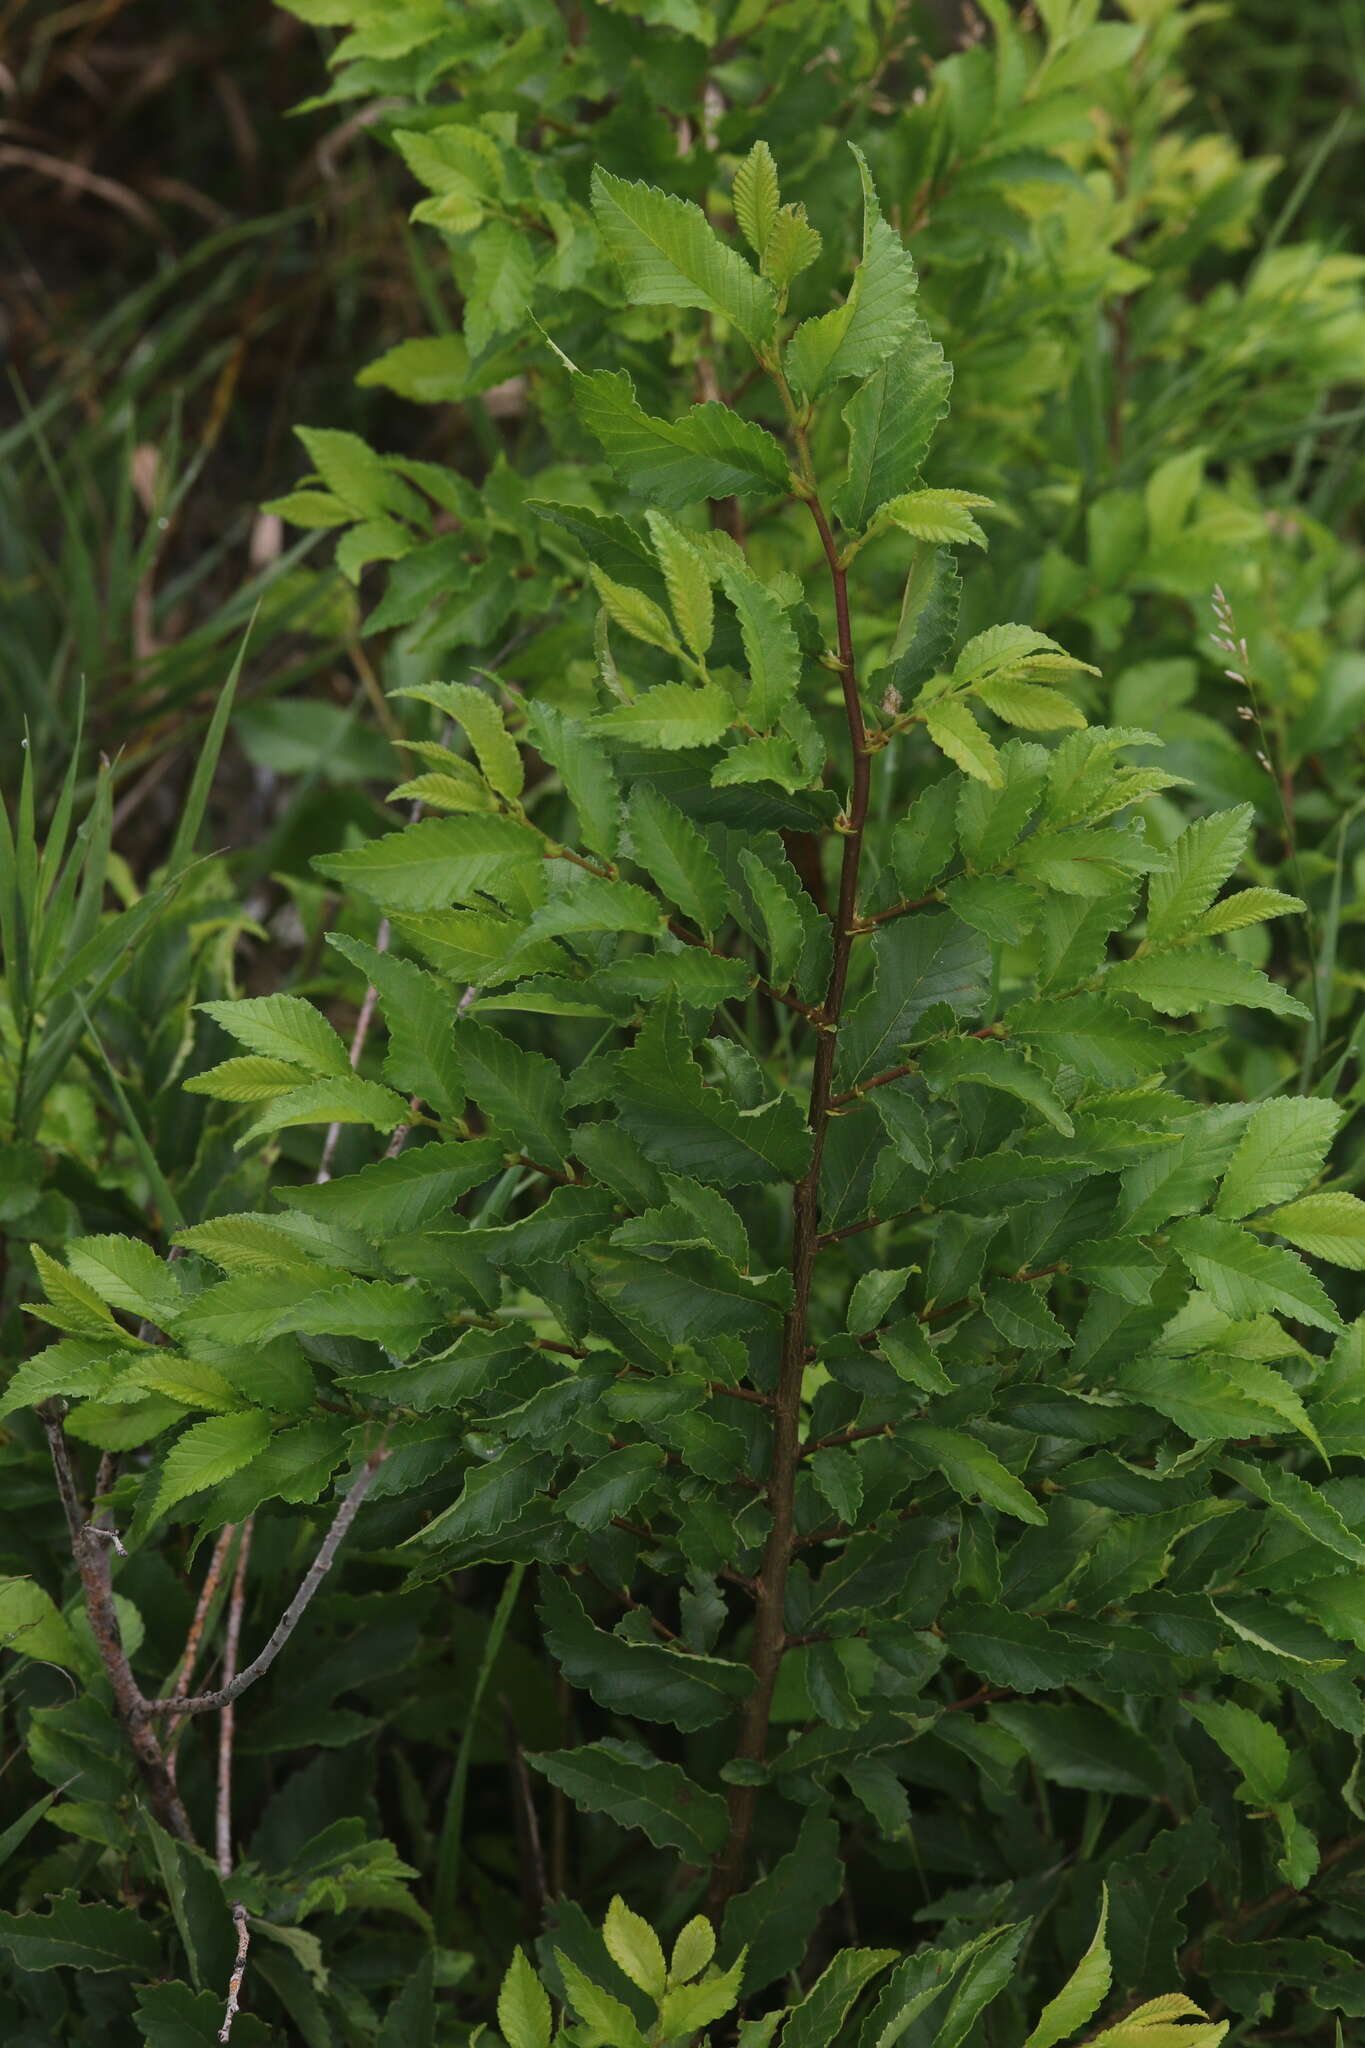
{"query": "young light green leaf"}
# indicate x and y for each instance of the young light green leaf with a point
(792, 246)
(606, 2017)
(524, 2012)
(771, 652)
(634, 613)
(634, 1947)
(688, 582)
(1329, 1225)
(756, 197)
(952, 728)
(1031, 706)
(671, 716)
(938, 516)
(692, 1951)
(1083, 1993)
(499, 755)
(441, 861)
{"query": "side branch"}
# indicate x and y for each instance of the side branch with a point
(210, 1702)
(92, 1562)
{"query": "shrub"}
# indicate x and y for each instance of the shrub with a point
(830, 1228)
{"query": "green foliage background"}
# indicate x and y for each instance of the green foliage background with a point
(1074, 1532)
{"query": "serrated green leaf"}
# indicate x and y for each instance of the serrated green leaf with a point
(1083, 1993)
(688, 582)
(441, 861)
(1282, 1148)
(283, 1028)
(351, 1101)
(1017, 1651)
(891, 421)
(756, 197)
(1254, 1746)
(859, 335)
(792, 246)
(671, 716)
(941, 517)
(498, 753)
(72, 1935)
(634, 612)
(709, 452)
(518, 1090)
(693, 1129)
(1199, 978)
(524, 2011)
(951, 727)
(650, 1681)
(1202, 858)
(210, 1451)
(949, 1063)
(671, 256)
(634, 1947)
(1242, 1276)
(972, 1470)
(671, 850)
(1329, 1225)
(1030, 706)
(771, 652)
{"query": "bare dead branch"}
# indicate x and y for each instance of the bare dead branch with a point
(210, 1702)
(226, 1724)
(238, 1972)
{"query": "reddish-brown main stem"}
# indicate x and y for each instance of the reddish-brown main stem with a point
(769, 1638)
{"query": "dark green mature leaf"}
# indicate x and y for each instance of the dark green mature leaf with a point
(919, 961)
(1147, 1896)
(519, 1090)
(397, 1195)
(681, 1123)
(174, 2016)
(776, 1917)
(1017, 1651)
(651, 1681)
(671, 850)
(1244, 1974)
(1081, 1746)
(70, 1935)
(638, 1790)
